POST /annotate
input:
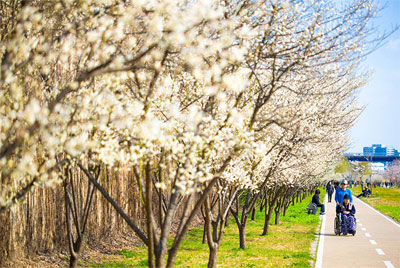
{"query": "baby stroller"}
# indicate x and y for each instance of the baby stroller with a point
(351, 225)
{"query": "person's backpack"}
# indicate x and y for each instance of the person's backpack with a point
(312, 208)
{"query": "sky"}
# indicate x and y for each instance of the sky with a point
(380, 121)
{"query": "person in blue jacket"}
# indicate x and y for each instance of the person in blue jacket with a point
(340, 192)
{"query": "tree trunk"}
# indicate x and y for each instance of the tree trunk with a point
(212, 259)
(178, 240)
(149, 217)
(267, 219)
(214, 232)
(160, 209)
(204, 235)
(253, 214)
(73, 261)
(214, 225)
(277, 213)
(242, 235)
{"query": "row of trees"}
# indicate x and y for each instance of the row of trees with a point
(392, 173)
(352, 170)
(205, 103)
(358, 170)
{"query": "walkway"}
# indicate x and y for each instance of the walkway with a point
(376, 244)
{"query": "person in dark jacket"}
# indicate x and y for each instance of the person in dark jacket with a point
(336, 185)
(365, 192)
(315, 200)
(347, 211)
(329, 190)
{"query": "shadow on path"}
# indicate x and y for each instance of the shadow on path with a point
(325, 234)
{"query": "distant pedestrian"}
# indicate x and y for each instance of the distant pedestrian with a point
(336, 185)
(315, 200)
(329, 190)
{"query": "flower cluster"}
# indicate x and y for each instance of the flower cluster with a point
(199, 90)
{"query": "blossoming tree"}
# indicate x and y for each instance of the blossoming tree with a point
(202, 101)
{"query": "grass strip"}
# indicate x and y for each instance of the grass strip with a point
(386, 200)
(287, 245)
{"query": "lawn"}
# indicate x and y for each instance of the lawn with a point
(287, 245)
(384, 199)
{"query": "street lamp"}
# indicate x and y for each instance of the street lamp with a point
(370, 172)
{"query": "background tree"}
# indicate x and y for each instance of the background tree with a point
(342, 167)
(392, 173)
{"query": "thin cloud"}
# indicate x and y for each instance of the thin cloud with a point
(394, 44)
(396, 73)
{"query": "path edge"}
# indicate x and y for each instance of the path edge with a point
(321, 239)
(380, 213)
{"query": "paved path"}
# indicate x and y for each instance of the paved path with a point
(376, 243)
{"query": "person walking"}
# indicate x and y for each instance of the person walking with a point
(315, 200)
(329, 190)
(340, 192)
(336, 185)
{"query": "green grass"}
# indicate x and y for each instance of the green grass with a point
(384, 199)
(287, 245)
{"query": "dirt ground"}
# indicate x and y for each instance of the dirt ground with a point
(110, 247)
(94, 252)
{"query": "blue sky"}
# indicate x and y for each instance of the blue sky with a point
(380, 122)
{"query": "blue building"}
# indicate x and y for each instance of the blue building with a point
(379, 150)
